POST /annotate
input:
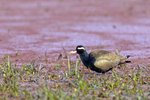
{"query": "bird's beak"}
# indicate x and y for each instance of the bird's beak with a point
(72, 52)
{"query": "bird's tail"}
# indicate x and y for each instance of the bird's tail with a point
(125, 60)
(128, 56)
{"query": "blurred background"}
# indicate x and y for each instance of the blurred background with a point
(34, 28)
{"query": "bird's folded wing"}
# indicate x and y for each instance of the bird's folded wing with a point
(105, 64)
(107, 61)
(97, 53)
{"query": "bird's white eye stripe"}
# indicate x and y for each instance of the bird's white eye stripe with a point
(81, 48)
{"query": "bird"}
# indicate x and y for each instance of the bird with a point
(100, 61)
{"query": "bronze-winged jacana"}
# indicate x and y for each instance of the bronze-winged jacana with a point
(100, 60)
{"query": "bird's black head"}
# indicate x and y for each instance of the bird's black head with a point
(80, 49)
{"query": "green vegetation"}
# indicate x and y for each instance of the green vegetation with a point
(39, 82)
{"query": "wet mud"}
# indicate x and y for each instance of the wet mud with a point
(32, 30)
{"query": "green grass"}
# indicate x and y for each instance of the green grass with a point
(34, 81)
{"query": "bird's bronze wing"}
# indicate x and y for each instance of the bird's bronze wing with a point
(97, 53)
(105, 60)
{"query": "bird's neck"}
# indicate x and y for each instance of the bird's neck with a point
(85, 58)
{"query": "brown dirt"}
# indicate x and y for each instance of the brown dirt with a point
(34, 28)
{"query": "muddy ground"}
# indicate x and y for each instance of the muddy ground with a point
(32, 29)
